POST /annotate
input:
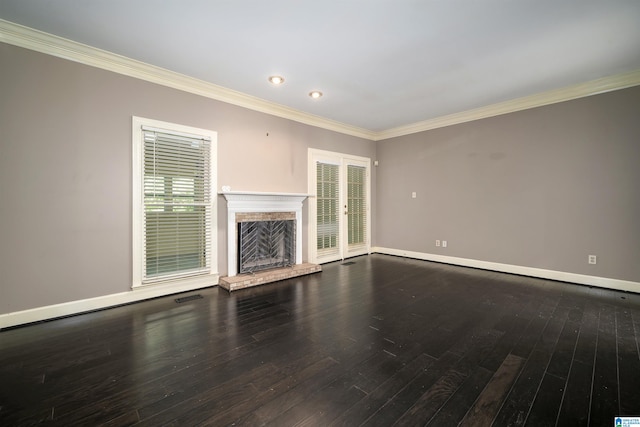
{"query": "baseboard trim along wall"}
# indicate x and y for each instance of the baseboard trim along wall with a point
(139, 294)
(602, 282)
(91, 304)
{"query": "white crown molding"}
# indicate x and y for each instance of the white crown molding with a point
(39, 41)
(561, 276)
(594, 87)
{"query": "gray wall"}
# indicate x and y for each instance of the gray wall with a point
(540, 188)
(65, 171)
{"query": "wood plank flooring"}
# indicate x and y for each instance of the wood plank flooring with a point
(384, 341)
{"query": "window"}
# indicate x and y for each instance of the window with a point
(327, 206)
(356, 204)
(174, 179)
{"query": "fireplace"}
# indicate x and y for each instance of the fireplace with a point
(252, 206)
(265, 240)
(274, 249)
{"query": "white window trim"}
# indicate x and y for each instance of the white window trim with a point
(185, 283)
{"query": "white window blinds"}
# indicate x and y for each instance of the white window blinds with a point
(356, 205)
(177, 205)
(328, 207)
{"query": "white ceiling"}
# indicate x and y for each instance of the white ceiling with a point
(381, 64)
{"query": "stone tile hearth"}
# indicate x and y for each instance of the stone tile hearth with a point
(268, 276)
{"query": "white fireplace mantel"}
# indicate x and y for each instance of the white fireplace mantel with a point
(248, 202)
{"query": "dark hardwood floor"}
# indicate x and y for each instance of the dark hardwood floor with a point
(385, 341)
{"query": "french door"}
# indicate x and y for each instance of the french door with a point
(339, 212)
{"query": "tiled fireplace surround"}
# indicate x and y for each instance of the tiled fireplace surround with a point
(254, 206)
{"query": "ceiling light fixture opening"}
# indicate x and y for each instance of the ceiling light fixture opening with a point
(315, 94)
(276, 80)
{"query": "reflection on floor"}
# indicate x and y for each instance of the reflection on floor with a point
(384, 340)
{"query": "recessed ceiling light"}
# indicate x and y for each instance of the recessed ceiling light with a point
(276, 80)
(315, 94)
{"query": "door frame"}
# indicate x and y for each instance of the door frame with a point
(342, 160)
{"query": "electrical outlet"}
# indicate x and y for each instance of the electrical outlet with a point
(437, 242)
(592, 259)
(444, 243)
(414, 195)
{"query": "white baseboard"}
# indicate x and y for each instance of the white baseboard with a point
(82, 306)
(602, 282)
(139, 294)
